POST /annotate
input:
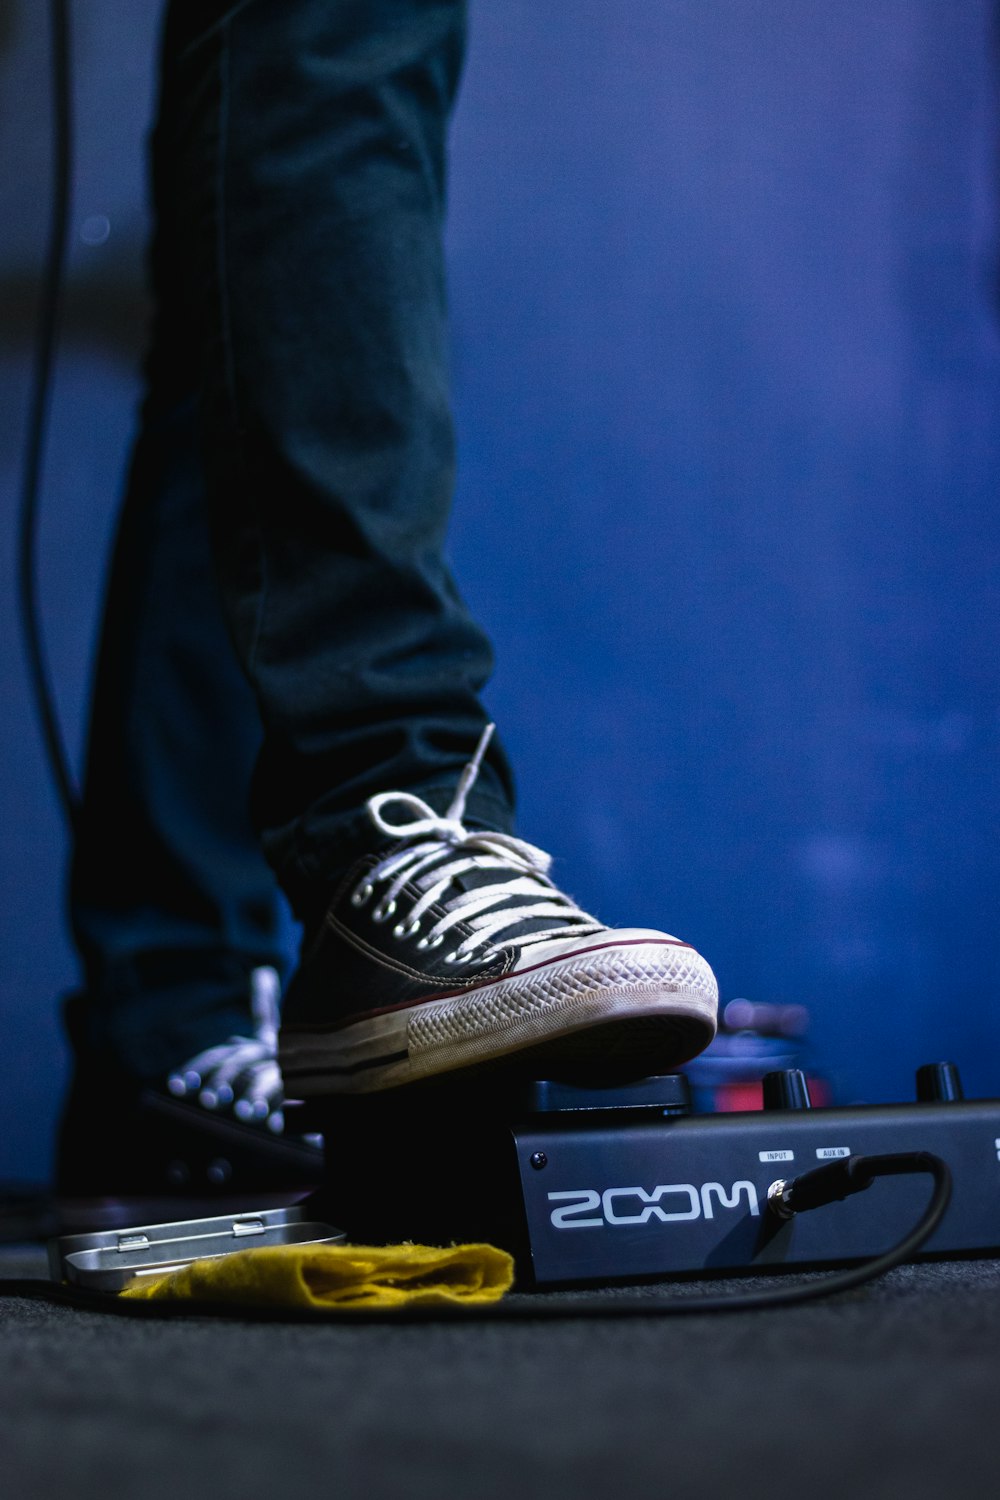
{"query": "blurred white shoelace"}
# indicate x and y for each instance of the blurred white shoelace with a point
(242, 1071)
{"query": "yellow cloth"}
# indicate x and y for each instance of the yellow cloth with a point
(334, 1277)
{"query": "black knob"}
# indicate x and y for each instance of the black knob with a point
(787, 1089)
(939, 1083)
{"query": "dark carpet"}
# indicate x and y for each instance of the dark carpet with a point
(889, 1391)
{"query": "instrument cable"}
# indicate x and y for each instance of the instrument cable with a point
(39, 406)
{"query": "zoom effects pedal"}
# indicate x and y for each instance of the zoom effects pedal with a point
(624, 1182)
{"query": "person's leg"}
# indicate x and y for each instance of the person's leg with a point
(171, 902)
(178, 919)
(181, 927)
(308, 171)
(309, 154)
(336, 470)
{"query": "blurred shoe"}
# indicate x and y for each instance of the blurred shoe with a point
(215, 1126)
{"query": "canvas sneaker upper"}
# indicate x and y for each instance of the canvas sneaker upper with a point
(452, 947)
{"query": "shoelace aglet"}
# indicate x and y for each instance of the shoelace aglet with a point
(468, 777)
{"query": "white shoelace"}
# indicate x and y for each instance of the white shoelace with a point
(439, 851)
(249, 1062)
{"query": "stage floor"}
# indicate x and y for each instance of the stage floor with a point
(891, 1391)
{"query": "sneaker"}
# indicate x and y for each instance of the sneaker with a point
(215, 1126)
(452, 949)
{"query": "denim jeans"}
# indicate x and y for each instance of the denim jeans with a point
(282, 632)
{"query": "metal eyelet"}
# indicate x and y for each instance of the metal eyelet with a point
(405, 929)
(436, 942)
(362, 894)
(455, 958)
(382, 913)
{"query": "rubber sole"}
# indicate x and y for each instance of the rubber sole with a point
(641, 1009)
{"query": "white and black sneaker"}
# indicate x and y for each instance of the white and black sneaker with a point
(452, 949)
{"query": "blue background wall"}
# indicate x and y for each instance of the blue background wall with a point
(724, 276)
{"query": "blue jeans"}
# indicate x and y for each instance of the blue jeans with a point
(282, 633)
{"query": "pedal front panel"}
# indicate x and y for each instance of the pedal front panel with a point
(611, 1184)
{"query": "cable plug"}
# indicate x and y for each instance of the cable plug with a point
(840, 1179)
(831, 1183)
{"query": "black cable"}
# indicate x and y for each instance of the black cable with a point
(825, 1185)
(39, 404)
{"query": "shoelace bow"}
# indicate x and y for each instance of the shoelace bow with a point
(440, 850)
